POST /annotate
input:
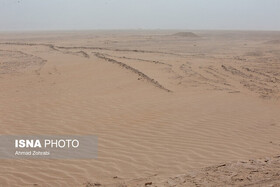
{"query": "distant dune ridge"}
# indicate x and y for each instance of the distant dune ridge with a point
(186, 34)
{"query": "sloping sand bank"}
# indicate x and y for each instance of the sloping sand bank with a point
(255, 172)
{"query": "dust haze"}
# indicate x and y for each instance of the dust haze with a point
(139, 14)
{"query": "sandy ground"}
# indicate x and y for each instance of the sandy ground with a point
(169, 108)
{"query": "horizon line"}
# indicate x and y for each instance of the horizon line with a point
(135, 29)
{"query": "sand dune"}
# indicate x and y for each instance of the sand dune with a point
(185, 34)
(167, 111)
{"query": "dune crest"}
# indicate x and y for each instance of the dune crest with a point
(186, 34)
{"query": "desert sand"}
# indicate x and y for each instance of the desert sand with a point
(170, 108)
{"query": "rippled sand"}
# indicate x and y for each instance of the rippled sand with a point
(162, 104)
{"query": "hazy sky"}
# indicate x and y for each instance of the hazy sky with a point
(136, 14)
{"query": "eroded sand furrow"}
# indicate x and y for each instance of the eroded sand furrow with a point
(203, 77)
(141, 74)
(51, 46)
(84, 54)
(142, 60)
(262, 90)
(269, 77)
(235, 71)
(56, 47)
(218, 78)
(76, 53)
(262, 84)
